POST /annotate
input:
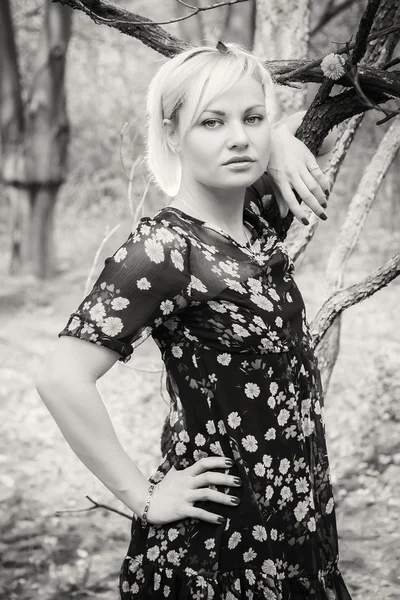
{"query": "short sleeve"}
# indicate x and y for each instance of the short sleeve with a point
(142, 285)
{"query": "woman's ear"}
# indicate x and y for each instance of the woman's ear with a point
(171, 134)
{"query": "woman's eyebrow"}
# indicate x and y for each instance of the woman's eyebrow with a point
(221, 112)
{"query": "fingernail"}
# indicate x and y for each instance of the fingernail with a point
(324, 204)
(221, 520)
(229, 462)
(305, 221)
(326, 192)
(323, 216)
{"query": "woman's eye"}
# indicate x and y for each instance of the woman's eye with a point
(259, 117)
(210, 121)
(256, 117)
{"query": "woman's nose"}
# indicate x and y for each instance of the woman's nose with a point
(238, 135)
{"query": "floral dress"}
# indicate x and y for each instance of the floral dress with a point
(243, 381)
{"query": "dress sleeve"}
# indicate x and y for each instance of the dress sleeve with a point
(258, 200)
(142, 285)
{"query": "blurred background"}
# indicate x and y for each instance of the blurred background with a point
(77, 554)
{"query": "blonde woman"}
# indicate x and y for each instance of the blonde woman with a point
(241, 505)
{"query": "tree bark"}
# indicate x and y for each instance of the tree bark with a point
(34, 140)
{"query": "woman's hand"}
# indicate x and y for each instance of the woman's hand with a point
(293, 167)
(176, 494)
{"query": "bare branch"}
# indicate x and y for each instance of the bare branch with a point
(147, 31)
(284, 72)
(364, 28)
(389, 114)
(113, 8)
(324, 114)
(330, 13)
(304, 68)
(360, 205)
(321, 117)
(343, 299)
(301, 236)
(95, 506)
(328, 343)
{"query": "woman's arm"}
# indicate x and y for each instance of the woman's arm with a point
(293, 168)
(142, 285)
(292, 123)
(67, 387)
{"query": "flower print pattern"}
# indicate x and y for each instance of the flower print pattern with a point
(243, 382)
(121, 311)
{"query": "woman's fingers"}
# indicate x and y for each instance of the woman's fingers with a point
(283, 207)
(315, 170)
(286, 194)
(308, 197)
(314, 187)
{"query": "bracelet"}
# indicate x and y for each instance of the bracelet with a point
(146, 508)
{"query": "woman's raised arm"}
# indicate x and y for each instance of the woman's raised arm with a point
(292, 167)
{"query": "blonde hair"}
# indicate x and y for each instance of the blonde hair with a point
(195, 83)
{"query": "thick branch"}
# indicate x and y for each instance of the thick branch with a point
(326, 112)
(153, 36)
(300, 238)
(343, 299)
(321, 117)
(360, 205)
(364, 29)
(104, 12)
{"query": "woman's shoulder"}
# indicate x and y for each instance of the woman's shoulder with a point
(159, 229)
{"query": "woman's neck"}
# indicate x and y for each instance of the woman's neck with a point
(226, 215)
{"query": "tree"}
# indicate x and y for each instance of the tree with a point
(282, 32)
(34, 139)
(362, 69)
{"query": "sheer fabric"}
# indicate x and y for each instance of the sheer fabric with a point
(243, 381)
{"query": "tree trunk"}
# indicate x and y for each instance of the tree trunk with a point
(34, 140)
(12, 137)
(282, 33)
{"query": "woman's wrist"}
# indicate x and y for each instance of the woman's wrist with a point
(150, 494)
(117, 471)
(289, 123)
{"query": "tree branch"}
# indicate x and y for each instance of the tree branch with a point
(95, 506)
(343, 299)
(104, 12)
(285, 72)
(360, 205)
(364, 29)
(322, 116)
(330, 13)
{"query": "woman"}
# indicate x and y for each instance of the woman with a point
(208, 278)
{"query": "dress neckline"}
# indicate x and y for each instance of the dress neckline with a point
(184, 215)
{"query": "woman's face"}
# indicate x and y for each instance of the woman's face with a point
(214, 139)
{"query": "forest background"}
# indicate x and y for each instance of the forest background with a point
(77, 554)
